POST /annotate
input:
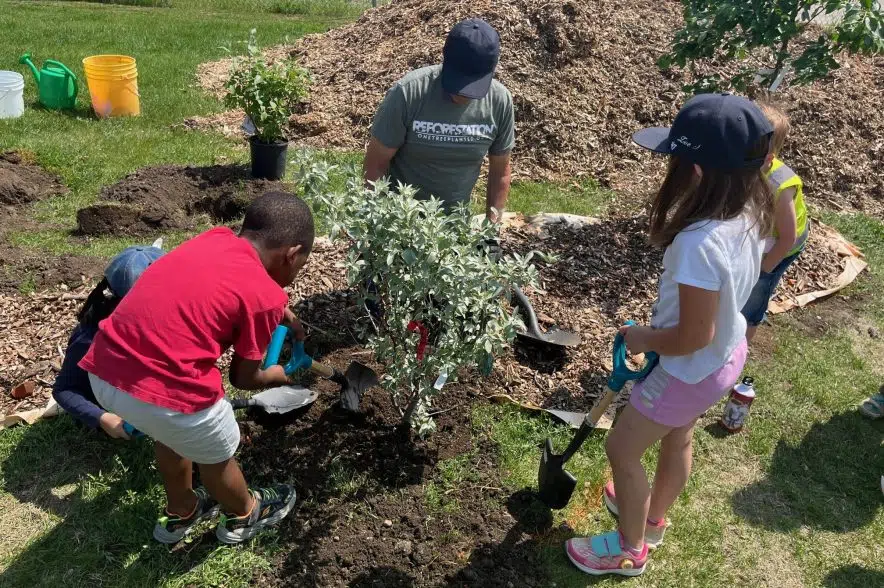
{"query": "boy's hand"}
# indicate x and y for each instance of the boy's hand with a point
(636, 338)
(294, 325)
(276, 375)
(113, 426)
(246, 374)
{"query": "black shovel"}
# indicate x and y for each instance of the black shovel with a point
(275, 401)
(555, 483)
(532, 331)
(354, 382)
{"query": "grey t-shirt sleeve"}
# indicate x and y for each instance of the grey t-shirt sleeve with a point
(388, 125)
(506, 132)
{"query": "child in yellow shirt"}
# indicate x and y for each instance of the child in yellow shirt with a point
(791, 225)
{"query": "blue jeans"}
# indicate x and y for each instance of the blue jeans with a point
(755, 308)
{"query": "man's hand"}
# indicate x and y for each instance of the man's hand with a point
(294, 325)
(113, 426)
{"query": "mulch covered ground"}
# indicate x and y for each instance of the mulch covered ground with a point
(583, 77)
(606, 274)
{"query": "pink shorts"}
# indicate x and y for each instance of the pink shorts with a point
(669, 401)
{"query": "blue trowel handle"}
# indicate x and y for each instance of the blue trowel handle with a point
(132, 431)
(300, 359)
(275, 347)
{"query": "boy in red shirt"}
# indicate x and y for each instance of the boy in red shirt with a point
(153, 361)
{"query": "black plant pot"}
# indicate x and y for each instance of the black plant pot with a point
(268, 159)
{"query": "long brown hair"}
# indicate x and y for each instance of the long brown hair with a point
(720, 194)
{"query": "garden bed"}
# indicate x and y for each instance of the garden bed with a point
(377, 507)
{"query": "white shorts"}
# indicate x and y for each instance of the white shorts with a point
(209, 436)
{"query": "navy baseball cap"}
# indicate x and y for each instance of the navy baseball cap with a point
(469, 58)
(127, 266)
(712, 130)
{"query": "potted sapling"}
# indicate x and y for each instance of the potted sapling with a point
(269, 94)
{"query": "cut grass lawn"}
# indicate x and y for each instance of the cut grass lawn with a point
(791, 502)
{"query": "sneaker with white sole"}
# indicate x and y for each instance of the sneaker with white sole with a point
(653, 531)
(271, 506)
(605, 554)
(172, 528)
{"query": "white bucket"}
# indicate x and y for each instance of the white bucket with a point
(12, 102)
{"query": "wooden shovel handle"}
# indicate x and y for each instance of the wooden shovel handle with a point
(322, 369)
(589, 423)
(598, 411)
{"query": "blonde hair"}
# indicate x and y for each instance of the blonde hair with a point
(781, 125)
(718, 194)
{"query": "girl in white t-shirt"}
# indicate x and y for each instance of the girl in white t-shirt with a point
(711, 213)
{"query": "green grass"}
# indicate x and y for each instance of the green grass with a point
(329, 8)
(440, 494)
(88, 490)
(168, 45)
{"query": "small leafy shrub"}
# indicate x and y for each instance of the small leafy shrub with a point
(428, 272)
(267, 93)
(735, 30)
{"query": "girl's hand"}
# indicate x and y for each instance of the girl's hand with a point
(113, 426)
(636, 339)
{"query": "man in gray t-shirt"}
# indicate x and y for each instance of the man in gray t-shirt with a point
(435, 125)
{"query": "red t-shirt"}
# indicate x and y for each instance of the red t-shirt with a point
(162, 342)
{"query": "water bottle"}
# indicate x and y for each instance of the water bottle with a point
(736, 411)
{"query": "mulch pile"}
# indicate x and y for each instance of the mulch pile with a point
(583, 77)
(23, 182)
(172, 197)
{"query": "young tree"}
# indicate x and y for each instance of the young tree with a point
(437, 298)
(734, 30)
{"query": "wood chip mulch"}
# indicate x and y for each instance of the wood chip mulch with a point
(606, 274)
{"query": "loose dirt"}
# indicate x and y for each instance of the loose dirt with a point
(155, 199)
(23, 182)
(583, 77)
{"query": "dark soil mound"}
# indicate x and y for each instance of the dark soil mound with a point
(172, 197)
(364, 518)
(22, 182)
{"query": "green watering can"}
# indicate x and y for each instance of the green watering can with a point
(57, 84)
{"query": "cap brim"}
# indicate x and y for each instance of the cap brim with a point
(470, 86)
(655, 138)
